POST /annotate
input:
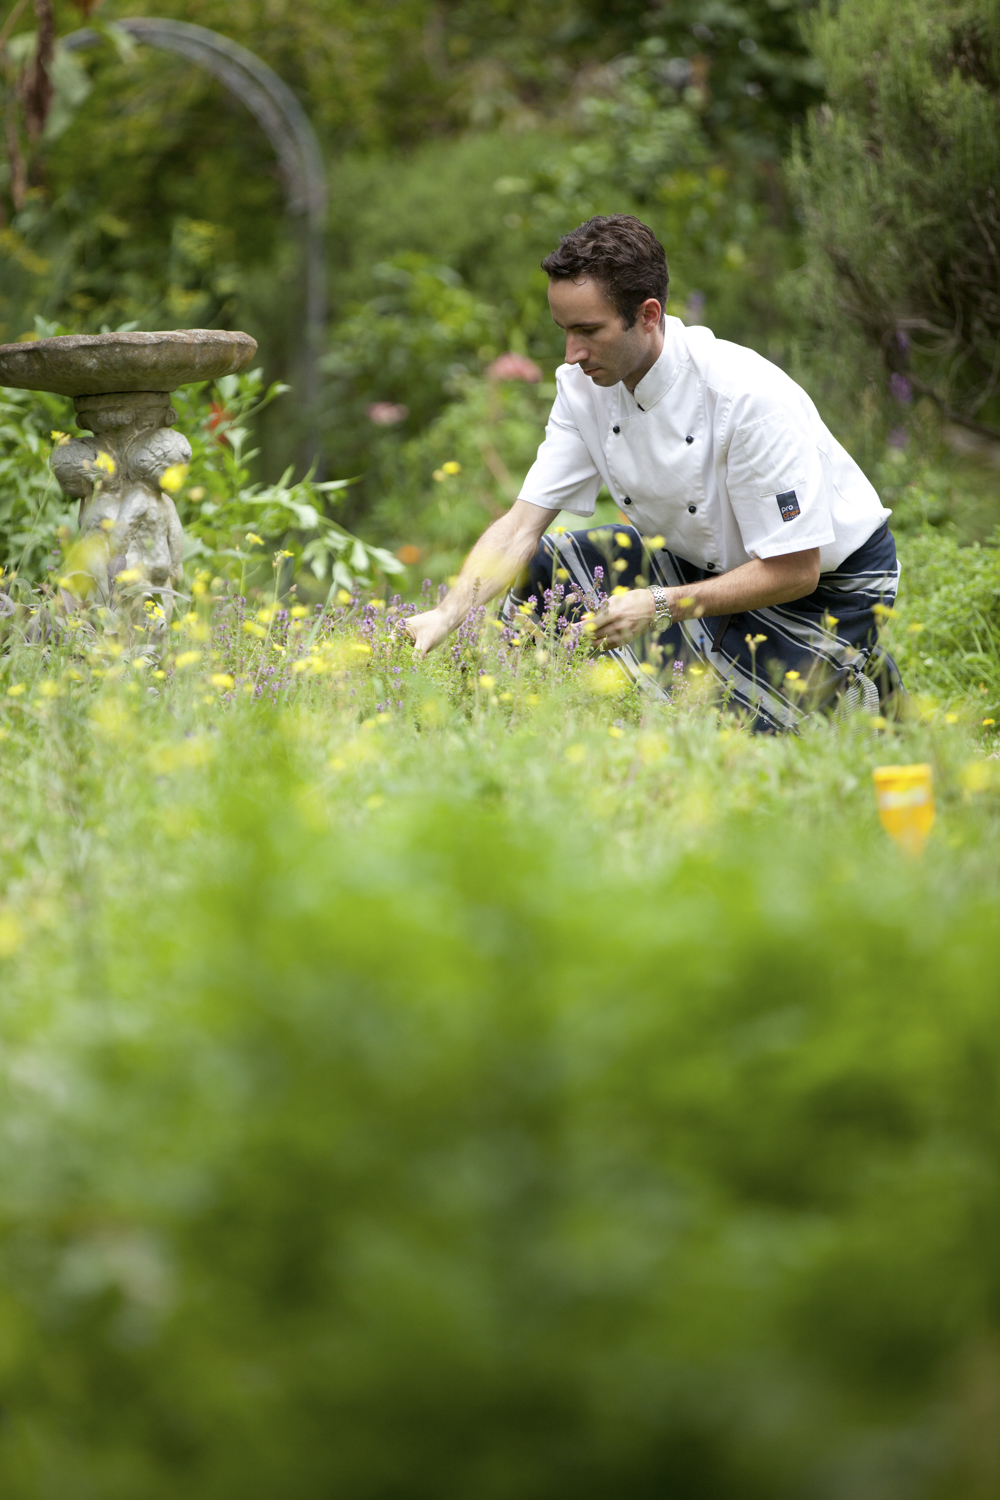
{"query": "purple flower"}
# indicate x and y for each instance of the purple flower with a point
(898, 437)
(900, 388)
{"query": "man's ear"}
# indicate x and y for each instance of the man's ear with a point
(652, 314)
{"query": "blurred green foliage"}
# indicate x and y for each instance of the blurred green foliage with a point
(898, 178)
(543, 1096)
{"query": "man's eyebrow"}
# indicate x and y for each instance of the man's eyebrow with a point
(568, 327)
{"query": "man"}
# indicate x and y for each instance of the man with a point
(755, 544)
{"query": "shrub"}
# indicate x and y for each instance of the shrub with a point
(946, 638)
(897, 177)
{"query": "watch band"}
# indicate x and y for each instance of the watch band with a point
(663, 616)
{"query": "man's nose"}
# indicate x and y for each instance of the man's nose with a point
(577, 352)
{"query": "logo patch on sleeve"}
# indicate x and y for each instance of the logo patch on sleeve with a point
(788, 504)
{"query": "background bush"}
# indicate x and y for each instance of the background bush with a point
(899, 188)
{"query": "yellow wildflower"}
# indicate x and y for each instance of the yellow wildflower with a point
(253, 540)
(171, 479)
(486, 682)
(11, 934)
(105, 463)
(603, 677)
(623, 539)
(221, 680)
(451, 467)
(187, 659)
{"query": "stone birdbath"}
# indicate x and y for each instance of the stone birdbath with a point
(121, 384)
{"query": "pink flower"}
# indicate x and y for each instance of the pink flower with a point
(387, 413)
(512, 366)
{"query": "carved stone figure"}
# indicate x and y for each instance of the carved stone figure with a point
(131, 544)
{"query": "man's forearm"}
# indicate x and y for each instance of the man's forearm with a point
(753, 585)
(490, 567)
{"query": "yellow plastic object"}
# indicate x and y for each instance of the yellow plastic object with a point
(905, 797)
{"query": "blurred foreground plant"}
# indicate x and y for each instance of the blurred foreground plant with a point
(412, 1092)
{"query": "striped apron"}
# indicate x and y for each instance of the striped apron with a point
(774, 666)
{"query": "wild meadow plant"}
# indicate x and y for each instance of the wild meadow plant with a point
(472, 1076)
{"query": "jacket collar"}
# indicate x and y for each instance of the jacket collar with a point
(655, 384)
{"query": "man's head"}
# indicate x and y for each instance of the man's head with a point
(608, 288)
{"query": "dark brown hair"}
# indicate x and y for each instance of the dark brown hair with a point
(619, 251)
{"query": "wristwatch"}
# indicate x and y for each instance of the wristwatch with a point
(663, 616)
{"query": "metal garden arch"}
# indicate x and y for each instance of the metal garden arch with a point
(287, 127)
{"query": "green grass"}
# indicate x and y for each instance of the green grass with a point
(521, 1092)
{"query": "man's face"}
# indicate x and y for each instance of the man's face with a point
(595, 337)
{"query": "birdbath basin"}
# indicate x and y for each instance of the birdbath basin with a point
(131, 545)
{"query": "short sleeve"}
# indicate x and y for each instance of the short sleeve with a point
(777, 487)
(564, 475)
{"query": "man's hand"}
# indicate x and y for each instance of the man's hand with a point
(491, 566)
(753, 585)
(623, 618)
(427, 630)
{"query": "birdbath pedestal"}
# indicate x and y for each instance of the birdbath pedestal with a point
(121, 385)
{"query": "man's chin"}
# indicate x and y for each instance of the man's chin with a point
(600, 377)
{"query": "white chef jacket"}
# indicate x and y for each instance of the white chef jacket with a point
(718, 451)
